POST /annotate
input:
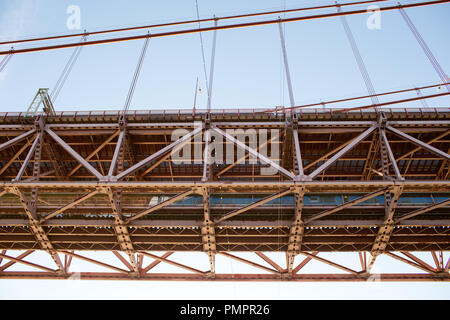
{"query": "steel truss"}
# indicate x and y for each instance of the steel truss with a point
(79, 182)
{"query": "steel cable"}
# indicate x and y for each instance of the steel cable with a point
(136, 75)
(359, 60)
(5, 61)
(66, 71)
(203, 49)
(425, 48)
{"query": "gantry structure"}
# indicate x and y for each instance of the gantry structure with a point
(372, 182)
(304, 181)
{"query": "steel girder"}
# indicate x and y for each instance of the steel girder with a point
(131, 161)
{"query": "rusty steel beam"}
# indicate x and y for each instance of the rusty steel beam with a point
(157, 154)
(393, 162)
(69, 205)
(27, 263)
(93, 261)
(342, 152)
(345, 205)
(156, 262)
(385, 231)
(16, 140)
(115, 158)
(329, 223)
(296, 231)
(176, 264)
(16, 155)
(86, 227)
(231, 166)
(36, 143)
(160, 205)
(411, 263)
(95, 152)
(422, 210)
(254, 153)
(331, 263)
(120, 228)
(252, 206)
(304, 262)
(419, 261)
(251, 263)
(74, 154)
(410, 153)
(12, 262)
(123, 260)
(419, 143)
(269, 261)
(389, 277)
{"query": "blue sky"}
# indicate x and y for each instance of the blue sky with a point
(248, 74)
(248, 70)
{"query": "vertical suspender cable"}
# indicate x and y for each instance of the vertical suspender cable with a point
(359, 60)
(203, 48)
(67, 69)
(211, 74)
(422, 101)
(5, 60)
(136, 76)
(425, 48)
(286, 67)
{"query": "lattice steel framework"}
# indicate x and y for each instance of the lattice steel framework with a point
(369, 182)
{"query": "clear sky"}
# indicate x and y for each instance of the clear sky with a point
(248, 74)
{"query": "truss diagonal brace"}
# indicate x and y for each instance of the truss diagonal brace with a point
(69, 205)
(96, 151)
(176, 264)
(99, 263)
(30, 264)
(160, 205)
(387, 148)
(10, 263)
(16, 140)
(331, 263)
(254, 153)
(253, 205)
(251, 263)
(419, 143)
(423, 210)
(346, 205)
(37, 143)
(74, 154)
(342, 152)
(115, 158)
(157, 154)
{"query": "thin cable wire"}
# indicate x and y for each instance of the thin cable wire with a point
(360, 97)
(359, 59)
(423, 101)
(220, 27)
(136, 76)
(5, 61)
(187, 22)
(66, 71)
(394, 102)
(202, 47)
(425, 47)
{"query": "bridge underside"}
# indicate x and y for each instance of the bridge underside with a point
(304, 184)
